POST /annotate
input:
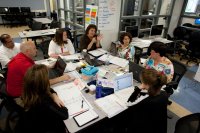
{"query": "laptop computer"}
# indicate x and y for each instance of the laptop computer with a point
(58, 69)
(136, 70)
(92, 62)
(123, 81)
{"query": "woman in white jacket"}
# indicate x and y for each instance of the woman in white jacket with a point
(60, 45)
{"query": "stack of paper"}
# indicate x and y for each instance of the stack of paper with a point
(197, 75)
(97, 52)
(115, 103)
(114, 60)
(72, 98)
(72, 57)
(111, 105)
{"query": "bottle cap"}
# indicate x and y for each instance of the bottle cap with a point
(85, 50)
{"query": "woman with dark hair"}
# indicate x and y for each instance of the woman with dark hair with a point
(90, 41)
(150, 114)
(42, 113)
(60, 45)
(158, 61)
(125, 50)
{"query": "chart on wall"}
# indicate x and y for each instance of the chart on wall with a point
(90, 15)
(107, 14)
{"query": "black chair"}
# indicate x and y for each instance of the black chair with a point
(54, 24)
(10, 112)
(179, 71)
(188, 124)
(193, 49)
(44, 46)
(36, 26)
(180, 34)
(77, 42)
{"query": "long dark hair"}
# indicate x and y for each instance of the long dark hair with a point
(36, 85)
(59, 37)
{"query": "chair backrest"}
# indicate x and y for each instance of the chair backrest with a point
(188, 124)
(194, 42)
(44, 46)
(77, 42)
(36, 26)
(179, 70)
(179, 33)
(54, 24)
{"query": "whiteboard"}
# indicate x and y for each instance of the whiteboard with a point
(107, 15)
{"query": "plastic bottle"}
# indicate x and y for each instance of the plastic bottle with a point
(98, 89)
(83, 53)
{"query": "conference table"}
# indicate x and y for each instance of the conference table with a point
(70, 123)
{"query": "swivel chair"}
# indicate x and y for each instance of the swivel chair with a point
(188, 124)
(193, 49)
(179, 71)
(44, 46)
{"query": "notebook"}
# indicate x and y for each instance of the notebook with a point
(123, 81)
(58, 69)
(85, 117)
(136, 70)
(92, 62)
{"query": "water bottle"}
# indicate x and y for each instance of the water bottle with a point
(83, 53)
(98, 89)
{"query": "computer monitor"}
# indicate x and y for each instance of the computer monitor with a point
(14, 9)
(197, 21)
(3, 9)
(133, 30)
(156, 30)
(25, 9)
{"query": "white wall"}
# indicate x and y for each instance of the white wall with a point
(187, 20)
(111, 35)
(175, 16)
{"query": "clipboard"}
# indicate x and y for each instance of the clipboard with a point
(85, 117)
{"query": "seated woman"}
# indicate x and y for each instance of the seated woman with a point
(150, 114)
(60, 45)
(125, 50)
(42, 113)
(90, 40)
(158, 61)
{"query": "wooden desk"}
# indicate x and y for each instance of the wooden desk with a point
(43, 20)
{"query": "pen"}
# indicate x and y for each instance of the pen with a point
(82, 104)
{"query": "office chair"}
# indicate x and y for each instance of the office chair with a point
(188, 124)
(44, 46)
(36, 26)
(10, 112)
(193, 49)
(77, 42)
(54, 24)
(179, 71)
(180, 34)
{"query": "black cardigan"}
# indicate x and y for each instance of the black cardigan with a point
(148, 116)
(85, 41)
(46, 117)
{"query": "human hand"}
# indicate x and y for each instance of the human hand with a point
(94, 40)
(99, 37)
(54, 56)
(57, 100)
